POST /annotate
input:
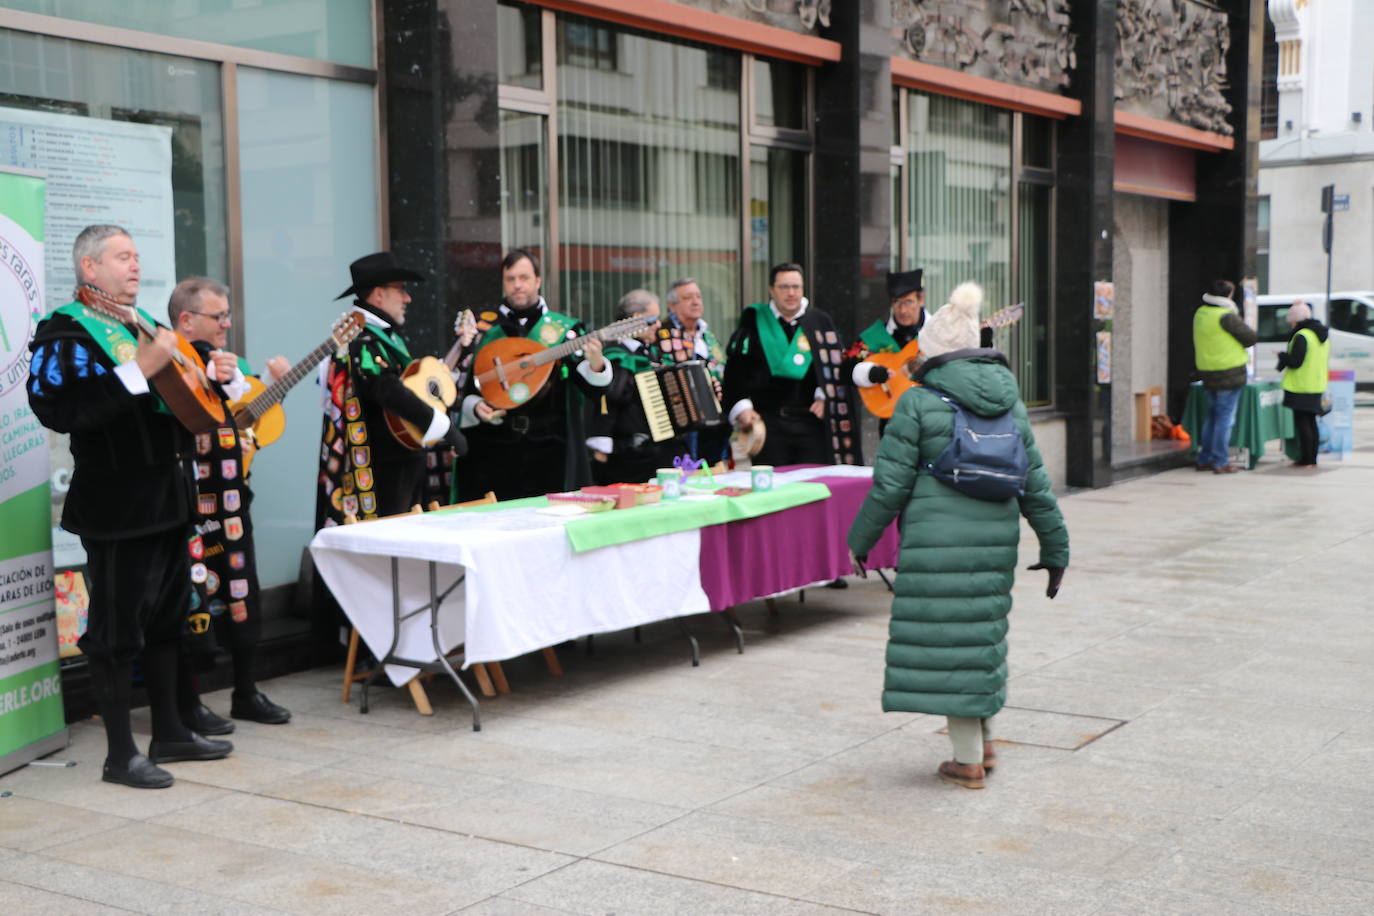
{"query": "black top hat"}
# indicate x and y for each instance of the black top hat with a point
(901, 283)
(377, 269)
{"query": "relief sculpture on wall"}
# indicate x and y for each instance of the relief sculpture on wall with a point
(1171, 61)
(1024, 41)
(796, 15)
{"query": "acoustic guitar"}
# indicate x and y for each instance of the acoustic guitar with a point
(881, 399)
(182, 383)
(510, 371)
(259, 414)
(432, 381)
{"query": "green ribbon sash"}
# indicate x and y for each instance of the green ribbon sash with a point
(877, 339)
(786, 358)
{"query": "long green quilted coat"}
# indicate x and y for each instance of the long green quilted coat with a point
(947, 642)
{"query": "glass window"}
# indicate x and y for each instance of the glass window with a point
(309, 191)
(779, 94)
(125, 137)
(1352, 317)
(524, 182)
(1037, 142)
(333, 30)
(1026, 343)
(1273, 322)
(648, 157)
(521, 45)
(777, 213)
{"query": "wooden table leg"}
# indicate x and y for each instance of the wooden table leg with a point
(479, 671)
(498, 677)
(551, 659)
(421, 699)
(772, 607)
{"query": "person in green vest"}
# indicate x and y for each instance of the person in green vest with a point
(623, 449)
(131, 500)
(365, 472)
(227, 581)
(686, 335)
(540, 446)
(1220, 339)
(906, 295)
(1304, 365)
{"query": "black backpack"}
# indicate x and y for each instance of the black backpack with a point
(986, 459)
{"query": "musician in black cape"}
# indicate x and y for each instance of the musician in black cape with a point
(623, 449)
(539, 446)
(227, 586)
(365, 471)
(131, 501)
(783, 366)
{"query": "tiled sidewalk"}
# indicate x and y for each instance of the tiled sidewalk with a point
(1190, 729)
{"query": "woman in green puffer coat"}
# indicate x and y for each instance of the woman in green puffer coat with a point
(947, 643)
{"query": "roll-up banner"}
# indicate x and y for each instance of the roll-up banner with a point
(31, 719)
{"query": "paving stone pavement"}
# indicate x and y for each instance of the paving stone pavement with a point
(1189, 727)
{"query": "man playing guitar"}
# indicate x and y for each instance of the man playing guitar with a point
(537, 447)
(891, 335)
(365, 472)
(199, 310)
(131, 501)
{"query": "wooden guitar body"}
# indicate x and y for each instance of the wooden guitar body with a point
(506, 374)
(182, 383)
(260, 433)
(881, 400)
(430, 380)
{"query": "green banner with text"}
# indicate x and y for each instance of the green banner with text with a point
(31, 719)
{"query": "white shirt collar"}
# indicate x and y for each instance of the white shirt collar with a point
(632, 343)
(795, 318)
(372, 318)
(508, 311)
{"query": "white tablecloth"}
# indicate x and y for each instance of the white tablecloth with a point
(525, 587)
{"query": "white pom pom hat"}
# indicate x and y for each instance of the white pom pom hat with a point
(955, 325)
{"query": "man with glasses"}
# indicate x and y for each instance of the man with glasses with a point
(685, 335)
(224, 568)
(783, 367)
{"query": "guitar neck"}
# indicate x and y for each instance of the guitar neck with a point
(278, 389)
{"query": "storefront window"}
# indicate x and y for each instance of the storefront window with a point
(124, 137)
(521, 54)
(524, 182)
(777, 213)
(333, 30)
(648, 159)
(779, 94)
(308, 170)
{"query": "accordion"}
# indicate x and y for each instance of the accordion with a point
(678, 399)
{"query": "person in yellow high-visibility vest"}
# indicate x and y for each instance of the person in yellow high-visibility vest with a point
(1220, 340)
(1304, 366)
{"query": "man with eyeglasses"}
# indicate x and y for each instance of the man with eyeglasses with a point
(225, 598)
(782, 367)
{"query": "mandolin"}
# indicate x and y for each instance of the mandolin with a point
(510, 371)
(431, 380)
(881, 399)
(182, 383)
(259, 414)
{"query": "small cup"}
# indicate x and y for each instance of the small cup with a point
(670, 479)
(761, 477)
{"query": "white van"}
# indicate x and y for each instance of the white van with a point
(1350, 318)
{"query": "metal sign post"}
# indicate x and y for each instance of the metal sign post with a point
(1328, 206)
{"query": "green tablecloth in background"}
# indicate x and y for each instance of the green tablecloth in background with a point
(1260, 418)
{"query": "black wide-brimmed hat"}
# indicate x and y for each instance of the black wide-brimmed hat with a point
(377, 269)
(901, 283)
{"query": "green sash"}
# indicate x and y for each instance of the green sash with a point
(390, 341)
(550, 330)
(786, 358)
(244, 367)
(634, 363)
(877, 338)
(116, 340)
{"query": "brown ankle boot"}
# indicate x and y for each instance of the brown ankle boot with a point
(989, 756)
(968, 775)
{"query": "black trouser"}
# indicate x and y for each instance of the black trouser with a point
(399, 485)
(512, 470)
(794, 436)
(140, 592)
(1305, 423)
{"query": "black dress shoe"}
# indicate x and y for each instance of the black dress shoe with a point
(257, 708)
(139, 773)
(838, 583)
(205, 721)
(198, 748)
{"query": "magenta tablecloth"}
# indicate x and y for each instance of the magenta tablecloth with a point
(742, 561)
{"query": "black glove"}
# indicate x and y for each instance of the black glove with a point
(985, 338)
(1056, 578)
(878, 374)
(454, 437)
(1283, 362)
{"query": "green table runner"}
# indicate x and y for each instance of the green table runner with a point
(1260, 417)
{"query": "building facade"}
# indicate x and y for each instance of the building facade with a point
(1041, 147)
(1320, 132)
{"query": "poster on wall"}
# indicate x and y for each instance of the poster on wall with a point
(31, 718)
(98, 171)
